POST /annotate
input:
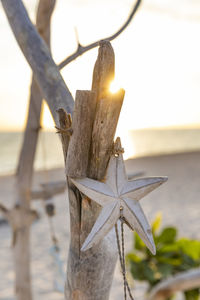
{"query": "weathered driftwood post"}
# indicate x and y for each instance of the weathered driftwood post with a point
(94, 121)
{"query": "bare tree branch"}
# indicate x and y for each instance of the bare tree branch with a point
(82, 49)
(38, 56)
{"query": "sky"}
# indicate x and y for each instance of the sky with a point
(157, 60)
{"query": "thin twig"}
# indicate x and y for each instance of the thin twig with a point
(82, 49)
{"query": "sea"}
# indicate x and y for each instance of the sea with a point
(137, 143)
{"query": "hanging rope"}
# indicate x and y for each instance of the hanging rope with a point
(122, 256)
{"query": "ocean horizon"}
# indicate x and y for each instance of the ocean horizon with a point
(137, 143)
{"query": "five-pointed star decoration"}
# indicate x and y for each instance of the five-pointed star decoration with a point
(119, 198)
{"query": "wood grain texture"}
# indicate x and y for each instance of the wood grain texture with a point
(105, 124)
(104, 70)
(90, 275)
(103, 73)
(75, 221)
(79, 146)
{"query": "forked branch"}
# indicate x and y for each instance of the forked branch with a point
(82, 49)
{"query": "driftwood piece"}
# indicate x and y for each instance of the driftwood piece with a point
(107, 114)
(79, 146)
(28, 149)
(181, 282)
(103, 73)
(87, 277)
(38, 56)
(104, 70)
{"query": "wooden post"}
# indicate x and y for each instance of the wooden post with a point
(79, 146)
(90, 273)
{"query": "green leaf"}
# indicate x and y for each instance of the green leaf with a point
(167, 236)
(190, 247)
(169, 248)
(156, 223)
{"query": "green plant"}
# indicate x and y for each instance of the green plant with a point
(173, 256)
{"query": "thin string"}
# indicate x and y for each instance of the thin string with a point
(122, 259)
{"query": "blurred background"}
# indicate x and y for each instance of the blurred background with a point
(157, 63)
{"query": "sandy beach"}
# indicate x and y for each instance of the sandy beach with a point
(178, 200)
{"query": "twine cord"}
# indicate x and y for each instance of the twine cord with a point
(121, 252)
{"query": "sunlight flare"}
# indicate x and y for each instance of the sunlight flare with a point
(114, 86)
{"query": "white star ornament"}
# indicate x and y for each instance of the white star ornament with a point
(119, 198)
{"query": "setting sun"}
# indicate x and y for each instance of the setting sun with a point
(114, 86)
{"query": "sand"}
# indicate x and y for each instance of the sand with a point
(178, 200)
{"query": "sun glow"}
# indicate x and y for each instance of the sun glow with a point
(114, 86)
